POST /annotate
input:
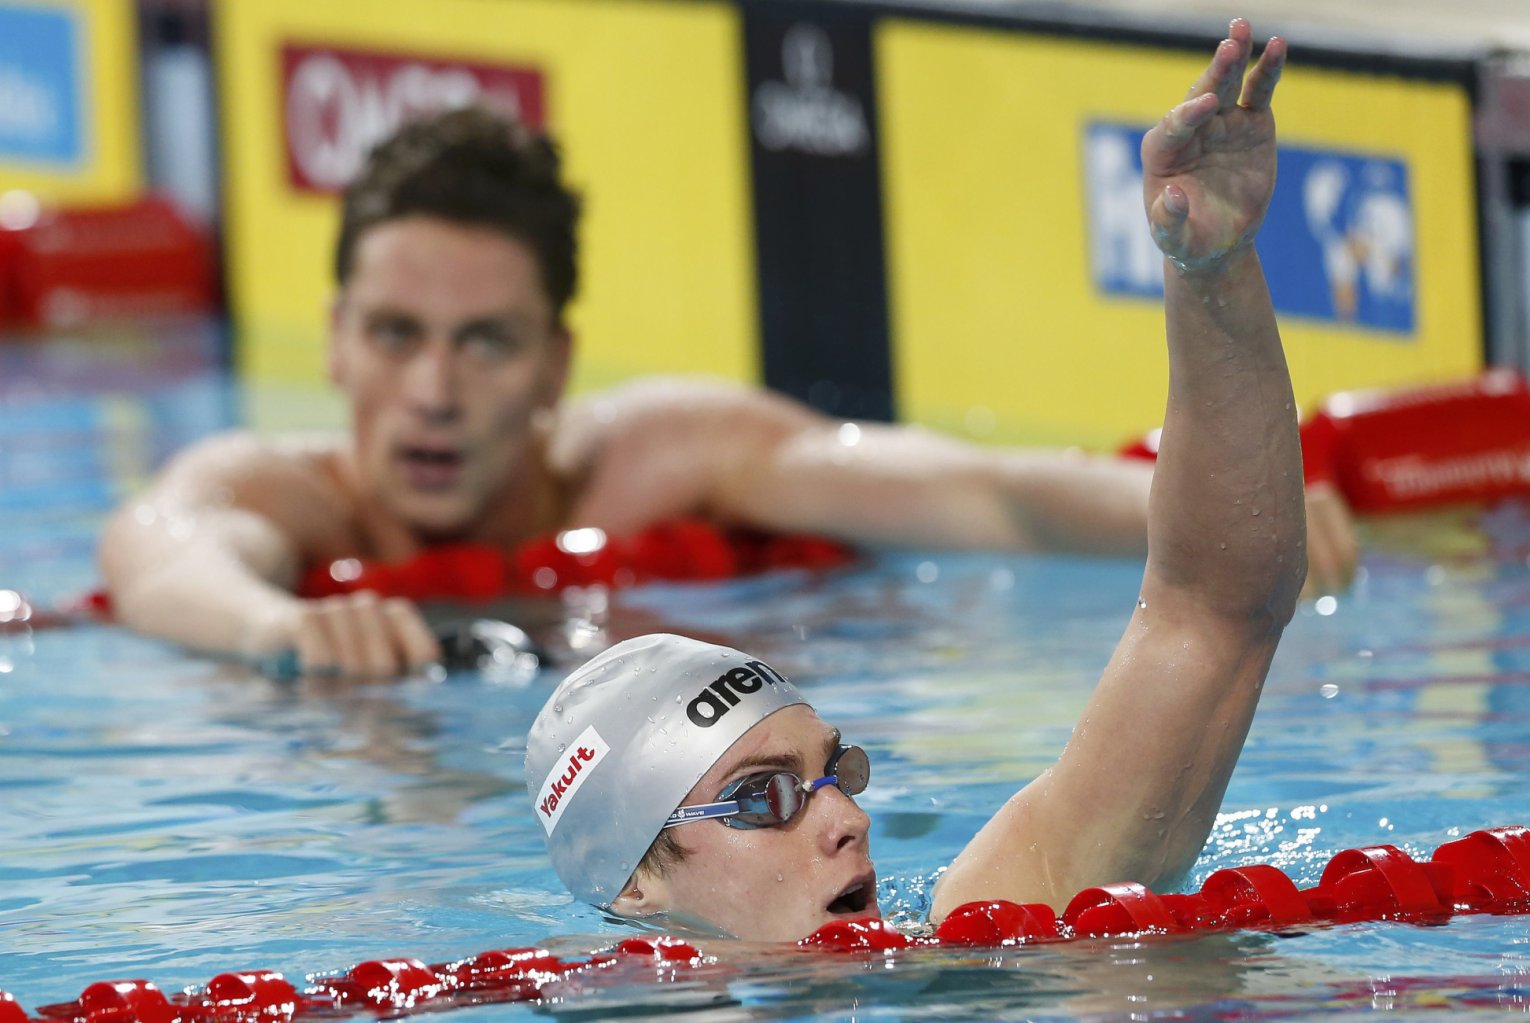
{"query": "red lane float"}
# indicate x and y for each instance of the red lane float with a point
(1485, 872)
(1395, 450)
(65, 266)
(680, 550)
(1427, 446)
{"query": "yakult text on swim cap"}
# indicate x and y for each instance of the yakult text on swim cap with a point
(568, 774)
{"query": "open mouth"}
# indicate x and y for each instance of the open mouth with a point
(431, 468)
(855, 900)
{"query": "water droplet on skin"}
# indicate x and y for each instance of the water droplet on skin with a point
(1256, 511)
(780, 879)
(1222, 545)
(1141, 604)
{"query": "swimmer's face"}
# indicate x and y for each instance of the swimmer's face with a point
(777, 883)
(445, 343)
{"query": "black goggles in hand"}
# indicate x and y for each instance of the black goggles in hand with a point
(772, 798)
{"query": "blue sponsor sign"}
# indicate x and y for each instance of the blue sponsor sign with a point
(41, 84)
(1337, 245)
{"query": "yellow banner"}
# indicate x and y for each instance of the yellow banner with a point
(1021, 314)
(69, 119)
(645, 98)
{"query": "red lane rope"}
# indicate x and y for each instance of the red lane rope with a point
(1485, 872)
(678, 550)
(681, 550)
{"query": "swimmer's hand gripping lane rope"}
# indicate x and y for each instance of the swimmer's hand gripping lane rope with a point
(1485, 872)
(681, 550)
(467, 644)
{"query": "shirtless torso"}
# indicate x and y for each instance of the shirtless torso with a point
(209, 556)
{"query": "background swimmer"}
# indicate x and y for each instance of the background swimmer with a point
(682, 779)
(455, 262)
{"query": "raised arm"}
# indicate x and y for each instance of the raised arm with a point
(1138, 786)
(209, 555)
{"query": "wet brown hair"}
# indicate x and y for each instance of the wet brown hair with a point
(475, 168)
(664, 853)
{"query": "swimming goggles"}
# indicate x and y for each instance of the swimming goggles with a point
(774, 797)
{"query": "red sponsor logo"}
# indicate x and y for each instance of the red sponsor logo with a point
(558, 785)
(568, 774)
(337, 104)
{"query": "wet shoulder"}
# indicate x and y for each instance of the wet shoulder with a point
(684, 411)
(301, 482)
(242, 458)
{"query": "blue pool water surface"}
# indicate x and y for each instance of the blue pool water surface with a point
(172, 817)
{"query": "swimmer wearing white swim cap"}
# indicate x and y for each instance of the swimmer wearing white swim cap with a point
(662, 734)
(680, 779)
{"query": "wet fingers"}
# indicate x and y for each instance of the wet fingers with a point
(360, 636)
(1259, 86)
(417, 646)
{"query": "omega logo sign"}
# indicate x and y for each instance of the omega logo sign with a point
(805, 112)
(337, 104)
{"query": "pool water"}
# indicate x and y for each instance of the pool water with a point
(173, 817)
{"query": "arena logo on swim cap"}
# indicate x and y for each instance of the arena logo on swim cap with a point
(568, 774)
(709, 705)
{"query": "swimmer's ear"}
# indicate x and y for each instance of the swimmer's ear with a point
(645, 895)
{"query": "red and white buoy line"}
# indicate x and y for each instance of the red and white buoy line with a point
(1485, 872)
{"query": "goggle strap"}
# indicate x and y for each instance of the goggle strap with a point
(702, 811)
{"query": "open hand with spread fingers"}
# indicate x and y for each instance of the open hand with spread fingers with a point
(1209, 166)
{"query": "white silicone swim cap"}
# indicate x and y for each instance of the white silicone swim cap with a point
(625, 737)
